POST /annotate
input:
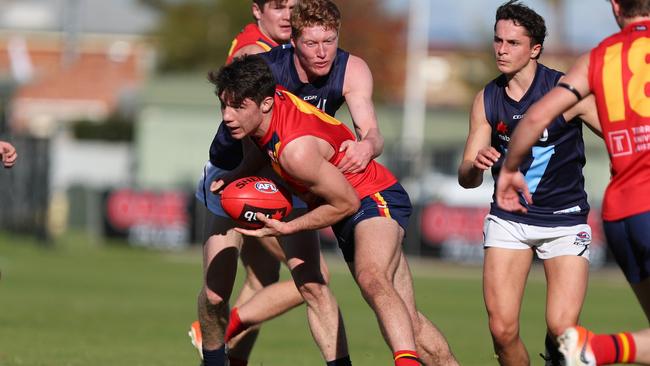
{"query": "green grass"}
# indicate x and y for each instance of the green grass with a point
(83, 304)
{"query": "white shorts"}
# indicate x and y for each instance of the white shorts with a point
(213, 201)
(548, 242)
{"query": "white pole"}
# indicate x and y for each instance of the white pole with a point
(415, 88)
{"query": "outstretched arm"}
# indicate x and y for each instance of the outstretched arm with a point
(357, 90)
(306, 159)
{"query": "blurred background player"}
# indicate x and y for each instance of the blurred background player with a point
(304, 144)
(616, 72)
(321, 73)
(555, 227)
(8, 154)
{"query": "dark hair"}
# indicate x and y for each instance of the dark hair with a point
(261, 3)
(634, 8)
(309, 13)
(246, 77)
(526, 17)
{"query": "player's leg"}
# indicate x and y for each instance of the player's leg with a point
(504, 278)
(283, 295)
(566, 266)
(566, 286)
(506, 264)
(302, 251)
(271, 300)
(629, 241)
(220, 253)
(377, 255)
(430, 342)
(262, 269)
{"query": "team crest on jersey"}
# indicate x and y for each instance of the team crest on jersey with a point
(502, 131)
(583, 238)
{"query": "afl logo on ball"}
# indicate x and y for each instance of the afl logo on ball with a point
(266, 187)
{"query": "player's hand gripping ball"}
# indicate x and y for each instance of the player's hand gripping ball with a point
(244, 197)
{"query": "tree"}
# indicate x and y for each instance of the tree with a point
(196, 34)
(379, 38)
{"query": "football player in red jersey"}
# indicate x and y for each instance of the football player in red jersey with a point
(617, 73)
(260, 256)
(368, 210)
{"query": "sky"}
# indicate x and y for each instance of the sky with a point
(470, 22)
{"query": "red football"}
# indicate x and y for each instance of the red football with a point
(244, 197)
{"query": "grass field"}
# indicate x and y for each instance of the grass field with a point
(78, 303)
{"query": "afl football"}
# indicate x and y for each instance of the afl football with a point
(244, 197)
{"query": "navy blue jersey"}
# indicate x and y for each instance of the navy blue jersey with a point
(326, 93)
(553, 169)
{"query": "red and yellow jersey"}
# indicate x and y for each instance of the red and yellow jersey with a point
(293, 118)
(619, 77)
(250, 35)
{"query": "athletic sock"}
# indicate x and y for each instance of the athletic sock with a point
(214, 358)
(613, 348)
(343, 361)
(237, 361)
(235, 325)
(406, 358)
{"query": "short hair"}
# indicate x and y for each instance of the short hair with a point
(261, 3)
(634, 8)
(525, 17)
(309, 13)
(246, 77)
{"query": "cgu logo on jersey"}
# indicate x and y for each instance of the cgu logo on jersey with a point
(266, 187)
(307, 98)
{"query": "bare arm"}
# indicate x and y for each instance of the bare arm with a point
(479, 155)
(511, 182)
(587, 112)
(357, 90)
(306, 159)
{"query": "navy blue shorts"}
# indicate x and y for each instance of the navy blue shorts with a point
(629, 241)
(393, 202)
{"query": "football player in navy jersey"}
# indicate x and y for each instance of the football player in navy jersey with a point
(555, 226)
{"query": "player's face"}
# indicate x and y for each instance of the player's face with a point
(274, 19)
(316, 49)
(512, 47)
(241, 120)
